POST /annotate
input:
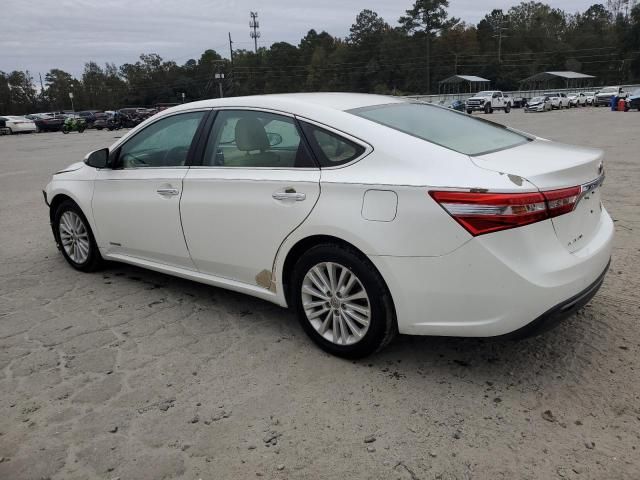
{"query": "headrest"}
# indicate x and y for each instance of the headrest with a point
(250, 135)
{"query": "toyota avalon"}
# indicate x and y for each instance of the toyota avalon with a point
(367, 215)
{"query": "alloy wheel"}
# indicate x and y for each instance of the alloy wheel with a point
(336, 303)
(74, 237)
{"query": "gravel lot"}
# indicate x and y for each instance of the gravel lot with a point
(132, 374)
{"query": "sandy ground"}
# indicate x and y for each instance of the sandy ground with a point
(131, 374)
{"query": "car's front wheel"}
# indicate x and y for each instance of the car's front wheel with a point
(75, 238)
(342, 301)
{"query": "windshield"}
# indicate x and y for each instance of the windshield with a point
(483, 94)
(636, 93)
(444, 127)
(537, 100)
(609, 90)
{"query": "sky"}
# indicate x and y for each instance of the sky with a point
(38, 35)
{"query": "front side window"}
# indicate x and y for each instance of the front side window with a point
(452, 130)
(164, 143)
(252, 139)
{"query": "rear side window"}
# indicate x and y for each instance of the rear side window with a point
(331, 149)
(455, 131)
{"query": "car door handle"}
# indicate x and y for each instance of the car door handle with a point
(169, 192)
(295, 196)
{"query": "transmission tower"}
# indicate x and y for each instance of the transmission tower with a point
(254, 32)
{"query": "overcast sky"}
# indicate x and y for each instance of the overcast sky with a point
(42, 34)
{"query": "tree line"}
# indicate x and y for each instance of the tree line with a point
(409, 57)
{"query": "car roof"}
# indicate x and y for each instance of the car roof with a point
(296, 102)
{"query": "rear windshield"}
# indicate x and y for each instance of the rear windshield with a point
(455, 131)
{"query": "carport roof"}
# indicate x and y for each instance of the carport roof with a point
(464, 78)
(542, 76)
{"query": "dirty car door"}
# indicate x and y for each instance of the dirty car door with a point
(256, 183)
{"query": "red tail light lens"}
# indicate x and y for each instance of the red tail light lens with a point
(481, 213)
(562, 201)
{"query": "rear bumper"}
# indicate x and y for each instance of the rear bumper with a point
(555, 315)
(496, 284)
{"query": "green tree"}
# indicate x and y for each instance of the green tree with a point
(58, 84)
(428, 18)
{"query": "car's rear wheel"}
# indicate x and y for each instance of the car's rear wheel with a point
(342, 301)
(75, 238)
(507, 108)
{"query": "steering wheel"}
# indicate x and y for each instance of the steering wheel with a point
(180, 151)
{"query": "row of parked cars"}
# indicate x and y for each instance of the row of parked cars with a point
(606, 97)
(489, 101)
(55, 121)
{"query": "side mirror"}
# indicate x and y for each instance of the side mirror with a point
(274, 139)
(98, 158)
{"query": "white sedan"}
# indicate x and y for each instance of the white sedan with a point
(17, 124)
(368, 215)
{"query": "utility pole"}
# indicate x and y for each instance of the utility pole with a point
(499, 36)
(428, 62)
(41, 90)
(231, 57)
(254, 32)
(220, 78)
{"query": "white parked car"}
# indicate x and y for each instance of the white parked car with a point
(17, 124)
(578, 99)
(590, 97)
(368, 215)
(559, 100)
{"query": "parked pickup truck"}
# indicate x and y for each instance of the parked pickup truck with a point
(603, 97)
(488, 101)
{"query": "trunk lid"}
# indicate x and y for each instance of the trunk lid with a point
(549, 166)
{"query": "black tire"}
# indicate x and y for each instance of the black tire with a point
(81, 129)
(382, 325)
(94, 259)
(507, 108)
(488, 109)
(65, 129)
(469, 112)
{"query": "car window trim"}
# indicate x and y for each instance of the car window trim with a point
(114, 157)
(204, 140)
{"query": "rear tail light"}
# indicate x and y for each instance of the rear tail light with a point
(481, 213)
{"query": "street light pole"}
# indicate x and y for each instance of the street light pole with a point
(220, 77)
(71, 97)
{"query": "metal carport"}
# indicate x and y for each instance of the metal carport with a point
(463, 84)
(560, 79)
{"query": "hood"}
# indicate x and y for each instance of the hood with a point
(479, 98)
(71, 168)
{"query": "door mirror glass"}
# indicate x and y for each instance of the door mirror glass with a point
(97, 158)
